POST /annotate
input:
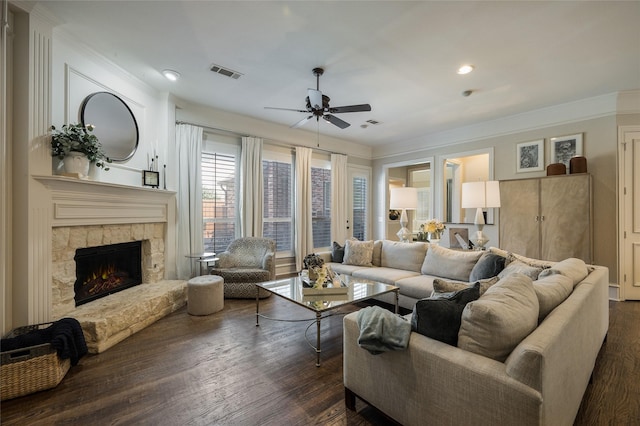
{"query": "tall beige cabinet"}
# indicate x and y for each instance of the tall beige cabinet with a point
(547, 218)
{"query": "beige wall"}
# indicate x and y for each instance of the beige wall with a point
(600, 147)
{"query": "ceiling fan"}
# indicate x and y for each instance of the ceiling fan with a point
(318, 106)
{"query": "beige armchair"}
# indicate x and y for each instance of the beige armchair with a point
(246, 261)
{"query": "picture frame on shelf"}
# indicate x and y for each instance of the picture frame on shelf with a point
(151, 178)
(565, 147)
(459, 238)
(530, 156)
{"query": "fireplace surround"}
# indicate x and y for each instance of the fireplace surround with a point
(83, 214)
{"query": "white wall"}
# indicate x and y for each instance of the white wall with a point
(78, 72)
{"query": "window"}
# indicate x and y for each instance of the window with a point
(321, 205)
(218, 200)
(278, 195)
(359, 207)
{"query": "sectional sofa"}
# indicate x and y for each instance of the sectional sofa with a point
(525, 351)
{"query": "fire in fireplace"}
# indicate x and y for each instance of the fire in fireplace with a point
(104, 270)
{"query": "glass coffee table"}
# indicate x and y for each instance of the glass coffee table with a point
(291, 289)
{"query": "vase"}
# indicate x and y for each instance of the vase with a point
(77, 163)
(434, 237)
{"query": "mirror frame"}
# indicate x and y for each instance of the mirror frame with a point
(440, 186)
(101, 122)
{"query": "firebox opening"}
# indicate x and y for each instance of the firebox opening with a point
(104, 270)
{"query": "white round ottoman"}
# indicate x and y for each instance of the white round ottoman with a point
(205, 295)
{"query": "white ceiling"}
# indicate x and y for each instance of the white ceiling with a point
(399, 56)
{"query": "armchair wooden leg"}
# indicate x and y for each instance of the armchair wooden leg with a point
(349, 399)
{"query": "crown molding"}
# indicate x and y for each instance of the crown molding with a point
(570, 112)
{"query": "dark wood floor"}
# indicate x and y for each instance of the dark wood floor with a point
(222, 369)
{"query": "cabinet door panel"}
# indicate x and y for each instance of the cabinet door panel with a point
(519, 207)
(566, 210)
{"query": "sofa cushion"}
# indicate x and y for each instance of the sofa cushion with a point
(416, 287)
(383, 275)
(407, 256)
(544, 264)
(489, 265)
(551, 290)
(444, 286)
(341, 268)
(359, 253)
(439, 317)
(447, 263)
(377, 252)
(506, 313)
(519, 267)
(337, 252)
(573, 268)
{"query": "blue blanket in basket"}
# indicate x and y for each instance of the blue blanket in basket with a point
(64, 335)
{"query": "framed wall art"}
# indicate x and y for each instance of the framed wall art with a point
(530, 156)
(565, 147)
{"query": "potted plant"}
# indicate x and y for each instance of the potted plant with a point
(74, 143)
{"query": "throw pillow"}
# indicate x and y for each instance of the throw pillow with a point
(497, 322)
(447, 263)
(439, 318)
(518, 267)
(573, 268)
(337, 252)
(551, 290)
(358, 253)
(406, 256)
(489, 265)
(544, 264)
(441, 286)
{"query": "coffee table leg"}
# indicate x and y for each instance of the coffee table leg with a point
(397, 292)
(318, 318)
(257, 306)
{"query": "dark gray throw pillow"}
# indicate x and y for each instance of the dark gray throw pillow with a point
(439, 317)
(489, 265)
(337, 252)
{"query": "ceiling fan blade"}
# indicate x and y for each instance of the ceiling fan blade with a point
(336, 121)
(302, 122)
(350, 108)
(287, 109)
(315, 99)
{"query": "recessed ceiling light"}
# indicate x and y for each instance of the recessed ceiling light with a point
(171, 75)
(465, 69)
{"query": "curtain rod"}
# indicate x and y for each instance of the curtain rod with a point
(271, 141)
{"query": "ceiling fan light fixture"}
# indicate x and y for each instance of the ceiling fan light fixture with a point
(465, 69)
(171, 75)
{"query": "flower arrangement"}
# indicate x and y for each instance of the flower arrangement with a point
(433, 228)
(312, 260)
(78, 138)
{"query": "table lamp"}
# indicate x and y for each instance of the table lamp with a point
(404, 198)
(479, 195)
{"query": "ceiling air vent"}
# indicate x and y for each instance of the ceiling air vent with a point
(225, 71)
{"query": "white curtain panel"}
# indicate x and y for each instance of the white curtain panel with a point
(251, 188)
(303, 227)
(339, 201)
(189, 198)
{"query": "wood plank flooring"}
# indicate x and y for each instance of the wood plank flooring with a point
(223, 370)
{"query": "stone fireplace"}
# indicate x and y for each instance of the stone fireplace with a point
(88, 214)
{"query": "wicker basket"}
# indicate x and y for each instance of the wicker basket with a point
(32, 369)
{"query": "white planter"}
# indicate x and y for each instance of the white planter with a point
(77, 162)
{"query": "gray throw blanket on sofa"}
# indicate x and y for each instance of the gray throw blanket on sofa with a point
(382, 330)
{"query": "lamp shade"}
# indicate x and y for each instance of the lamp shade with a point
(404, 198)
(481, 194)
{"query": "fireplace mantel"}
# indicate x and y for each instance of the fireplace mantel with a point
(85, 202)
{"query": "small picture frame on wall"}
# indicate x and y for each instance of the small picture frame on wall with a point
(565, 147)
(530, 156)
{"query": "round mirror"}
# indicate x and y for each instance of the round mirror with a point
(115, 125)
